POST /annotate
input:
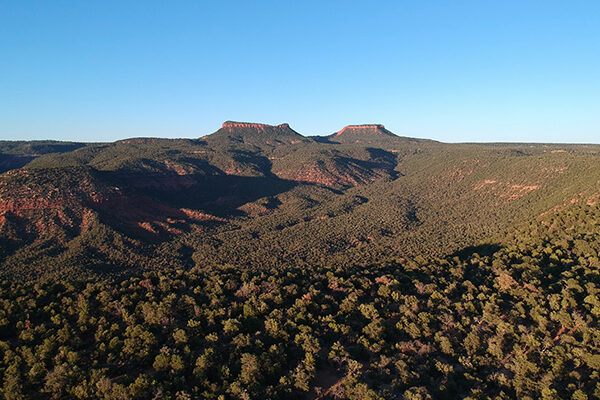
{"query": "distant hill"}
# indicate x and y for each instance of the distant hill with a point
(366, 134)
(257, 134)
(15, 154)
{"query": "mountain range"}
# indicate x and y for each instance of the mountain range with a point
(259, 195)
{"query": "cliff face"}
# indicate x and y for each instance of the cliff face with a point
(231, 126)
(49, 203)
(37, 204)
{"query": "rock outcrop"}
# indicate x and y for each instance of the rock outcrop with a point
(257, 134)
(364, 130)
(369, 134)
(231, 126)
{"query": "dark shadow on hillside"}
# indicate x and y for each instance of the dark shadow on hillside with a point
(383, 157)
(14, 161)
(323, 139)
(259, 162)
(210, 190)
(484, 250)
(220, 195)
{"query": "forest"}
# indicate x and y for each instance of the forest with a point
(516, 318)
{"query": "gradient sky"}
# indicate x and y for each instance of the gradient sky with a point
(447, 70)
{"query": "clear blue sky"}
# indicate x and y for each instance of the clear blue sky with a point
(448, 70)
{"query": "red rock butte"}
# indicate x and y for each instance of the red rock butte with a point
(231, 125)
(370, 129)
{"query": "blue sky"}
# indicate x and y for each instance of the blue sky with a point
(447, 70)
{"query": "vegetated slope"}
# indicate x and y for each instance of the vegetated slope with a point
(515, 317)
(53, 219)
(269, 198)
(437, 205)
(335, 167)
(18, 153)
